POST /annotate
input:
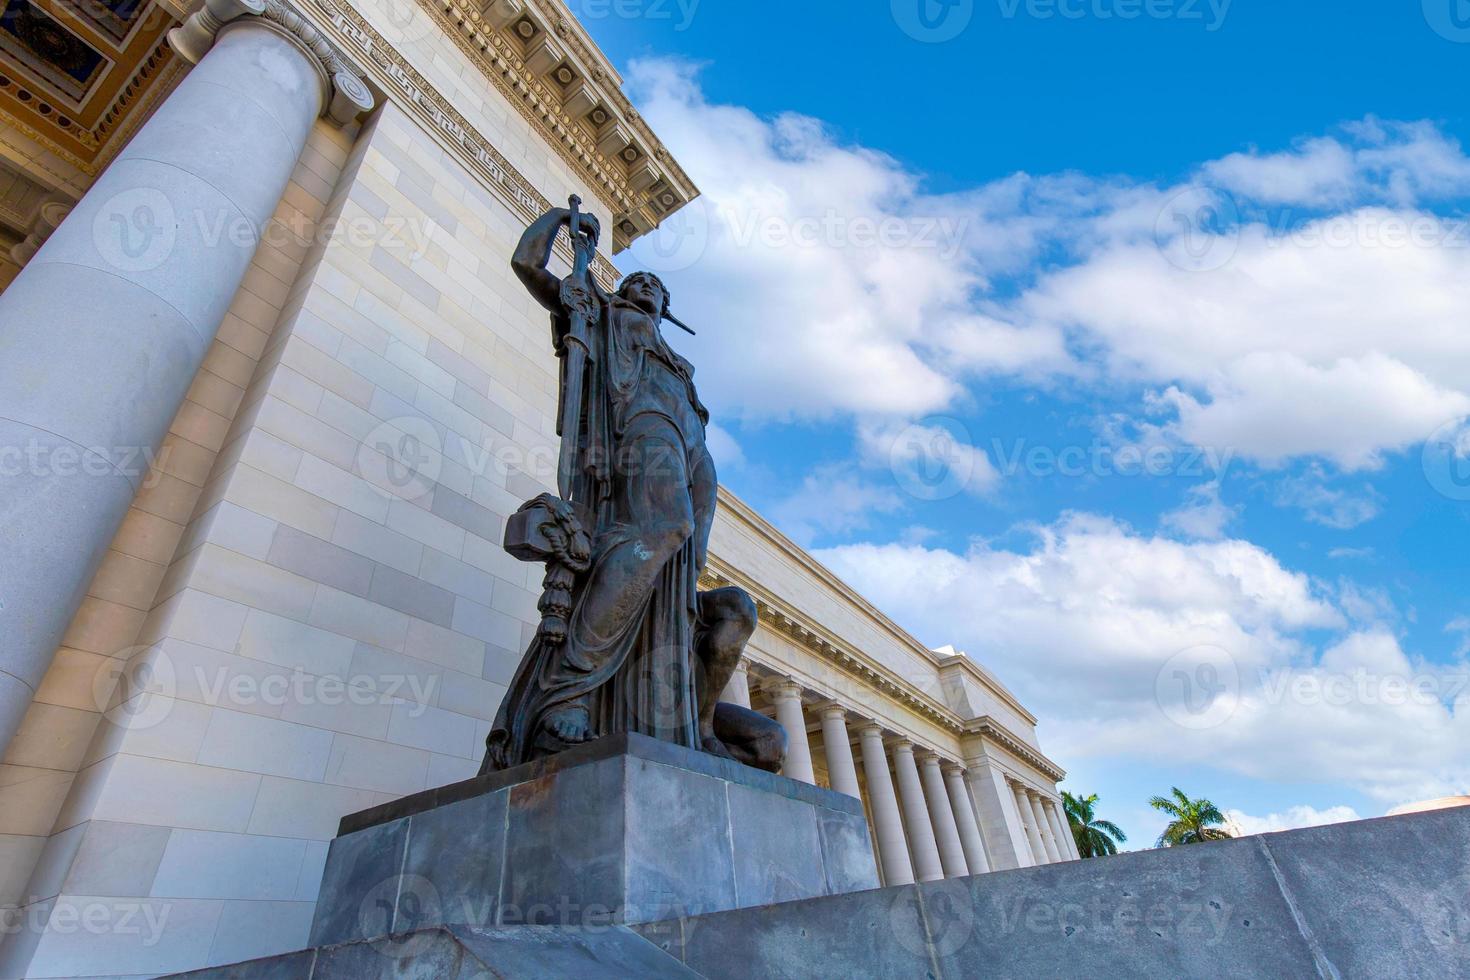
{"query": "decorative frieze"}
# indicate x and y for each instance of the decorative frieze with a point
(345, 93)
(419, 98)
(537, 56)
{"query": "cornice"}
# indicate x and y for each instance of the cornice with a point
(794, 552)
(543, 63)
(393, 74)
(782, 619)
(988, 728)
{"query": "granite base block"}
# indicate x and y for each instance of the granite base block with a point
(1368, 899)
(624, 830)
(456, 953)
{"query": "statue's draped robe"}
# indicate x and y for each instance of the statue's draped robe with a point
(644, 678)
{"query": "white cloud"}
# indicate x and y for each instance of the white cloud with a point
(1329, 506)
(1294, 818)
(813, 269)
(833, 499)
(1203, 515)
(827, 282)
(930, 460)
(1319, 171)
(1087, 623)
(723, 448)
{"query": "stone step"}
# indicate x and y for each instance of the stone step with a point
(1370, 899)
(456, 953)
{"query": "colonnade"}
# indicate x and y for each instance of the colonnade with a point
(932, 817)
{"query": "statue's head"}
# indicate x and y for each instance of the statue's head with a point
(647, 291)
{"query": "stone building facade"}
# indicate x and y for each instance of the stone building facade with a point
(268, 391)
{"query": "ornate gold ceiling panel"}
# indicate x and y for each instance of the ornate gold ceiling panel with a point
(79, 75)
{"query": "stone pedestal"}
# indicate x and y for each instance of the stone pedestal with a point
(624, 830)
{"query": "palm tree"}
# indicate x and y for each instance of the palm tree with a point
(1194, 821)
(1094, 837)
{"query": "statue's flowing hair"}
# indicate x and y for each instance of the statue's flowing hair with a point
(645, 277)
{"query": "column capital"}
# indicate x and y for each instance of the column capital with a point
(834, 711)
(871, 729)
(903, 745)
(787, 689)
(345, 93)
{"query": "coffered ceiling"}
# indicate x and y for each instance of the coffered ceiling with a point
(78, 75)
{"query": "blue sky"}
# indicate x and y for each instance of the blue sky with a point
(1126, 353)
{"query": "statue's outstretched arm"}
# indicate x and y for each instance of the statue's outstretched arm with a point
(533, 254)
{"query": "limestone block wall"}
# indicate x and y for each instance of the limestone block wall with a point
(307, 611)
(326, 637)
(44, 812)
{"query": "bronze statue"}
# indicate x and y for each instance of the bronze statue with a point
(627, 643)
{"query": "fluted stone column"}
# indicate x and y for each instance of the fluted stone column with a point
(737, 691)
(922, 845)
(1028, 821)
(941, 816)
(792, 716)
(965, 821)
(839, 751)
(105, 328)
(1000, 820)
(1059, 829)
(1071, 840)
(1043, 827)
(893, 849)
